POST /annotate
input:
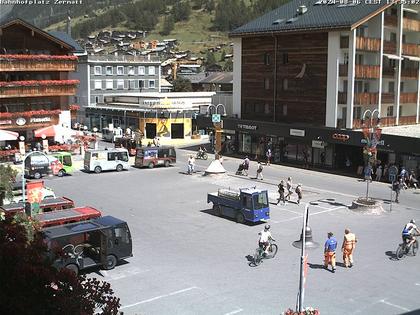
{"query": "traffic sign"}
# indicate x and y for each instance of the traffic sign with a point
(215, 118)
(393, 170)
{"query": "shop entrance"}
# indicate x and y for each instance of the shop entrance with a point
(177, 131)
(150, 130)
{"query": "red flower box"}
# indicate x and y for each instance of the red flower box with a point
(38, 83)
(31, 113)
(38, 57)
(74, 107)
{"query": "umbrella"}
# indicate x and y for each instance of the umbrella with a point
(6, 135)
(59, 132)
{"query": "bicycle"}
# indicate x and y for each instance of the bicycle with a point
(260, 253)
(201, 155)
(404, 250)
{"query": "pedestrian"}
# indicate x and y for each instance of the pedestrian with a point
(281, 192)
(379, 173)
(396, 186)
(259, 171)
(349, 244)
(246, 165)
(289, 185)
(268, 155)
(299, 193)
(155, 141)
(329, 251)
(191, 162)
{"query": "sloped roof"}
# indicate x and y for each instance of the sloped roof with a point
(318, 16)
(218, 78)
(63, 36)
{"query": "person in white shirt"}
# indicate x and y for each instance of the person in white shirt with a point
(265, 237)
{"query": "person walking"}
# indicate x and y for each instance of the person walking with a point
(281, 193)
(329, 251)
(246, 165)
(268, 155)
(396, 186)
(349, 243)
(191, 162)
(289, 188)
(299, 193)
(259, 171)
(379, 173)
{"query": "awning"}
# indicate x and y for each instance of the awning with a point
(389, 56)
(413, 58)
(59, 132)
(6, 135)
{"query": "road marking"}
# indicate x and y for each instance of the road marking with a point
(159, 297)
(310, 214)
(235, 311)
(295, 212)
(395, 305)
(417, 284)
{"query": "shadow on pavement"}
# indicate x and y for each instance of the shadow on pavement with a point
(211, 212)
(250, 260)
(391, 255)
(415, 312)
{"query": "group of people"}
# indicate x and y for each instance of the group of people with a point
(348, 246)
(244, 168)
(286, 190)
(155, 142)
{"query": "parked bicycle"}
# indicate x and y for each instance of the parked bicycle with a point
(260, 253)
(404, 249)
(201, 155)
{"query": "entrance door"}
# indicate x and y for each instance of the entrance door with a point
(177, 131)
(150, 131)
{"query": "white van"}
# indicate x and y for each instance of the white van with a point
(106, 160)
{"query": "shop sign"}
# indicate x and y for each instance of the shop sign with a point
(340, 137)
(5, 122)
(20, 121)
(364, 141)
(40, 119)
(297, 132)
(247, 127)
(318, 144)
(215, 118)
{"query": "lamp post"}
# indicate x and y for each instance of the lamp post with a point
(22, 145)
(44, 143)
(95, 131)
(218, 124)
(372, 134)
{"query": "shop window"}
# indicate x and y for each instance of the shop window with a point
(97, 70)
(285, 84)
(266, 83)
(108, 70)
(141, 70)
(390, 111)
(267, 59)
(120, 70)
(98, 85)
(284, 110)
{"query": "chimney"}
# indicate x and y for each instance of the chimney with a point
(302, 9)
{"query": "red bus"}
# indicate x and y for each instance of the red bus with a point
(59, 217)
(46, 205)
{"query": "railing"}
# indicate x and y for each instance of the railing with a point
(390, 47)
(388, 98)
(391, 20)
(388, 72)
(409, 73)
(411, 25)
(388, 121)
(366, 72)
(368, 44)
(408, 98)
(411, 50)
(38, 88)
(359, 98)
(407, 120)
(37, 63)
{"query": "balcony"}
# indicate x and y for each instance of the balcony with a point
(391, 20)
(411, 25)
(388, 98)
(37, 63)
(406, 98)
(368, 44)
(409, 73)
(38, 88)
(411, 50)
(390, 47)
(407, 120)
(359, 98)
(361, 71)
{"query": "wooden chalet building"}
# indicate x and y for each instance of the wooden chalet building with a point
(34, 84)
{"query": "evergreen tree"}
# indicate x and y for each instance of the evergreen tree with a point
(228, 67)
(222, 55)
(7, 176)
(168, 25)
(181, 11)
(210, 59)
(182, 85)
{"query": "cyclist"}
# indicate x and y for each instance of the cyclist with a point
(201, 151)
(408, 233)
(265, 237)
(245, 164)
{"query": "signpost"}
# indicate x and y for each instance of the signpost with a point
(216, 118)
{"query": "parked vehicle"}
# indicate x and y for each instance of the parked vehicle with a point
(153, 156)
(71, 215)
(106, 160)
(61, 163)
(37, 165)
(97, 242)
(128, 143)
(18, 197)
(46, 205)
(111, 135)
(404, 249)
(260, 254)
(248, 204)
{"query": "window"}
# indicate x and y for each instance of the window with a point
(97, 70)
(122, 234)
(390, 111)
(359, 59)
(108, 84)
(120, 70)
(345, 86)
(130, 70)
(267, 108)
(141, 84)
(120, 84)
(285, 84)
(152, 70)
(361, 31)
(141, 70)
(151, 84)
(96, 99)
(357, 112)
(266, 83)
(259, 108)
(284, 110)
(358, 86)
(391, 87)
(109, 70)
(393, 37)
(401, 87)
(267, 59)
(131, 84)
(366, 87)
(346, 58)
(285, 58)
(98, 85)
(247, 201)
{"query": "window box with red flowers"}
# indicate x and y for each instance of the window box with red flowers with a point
(38, 88)
(38, 63)
(30, 113)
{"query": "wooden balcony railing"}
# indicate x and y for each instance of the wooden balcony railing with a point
(388, 72)
(411, 24)
(408, 98)
(391, 20)
(390, 47)
(411, 73)
(388, 98)
(411, 50)
(368, 44)
(407, 120)
(388, 121)
(37, 63)
(38, 88)
(360, 98)
(366, 72)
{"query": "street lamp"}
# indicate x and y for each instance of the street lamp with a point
(372, 134)
(95, 130)
(44, 143)
(217, 123)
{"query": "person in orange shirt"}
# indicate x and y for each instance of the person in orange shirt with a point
(349, 243)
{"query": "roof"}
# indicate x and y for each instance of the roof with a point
(164, 82)
(405, 131)
(218, 78)
(164, 95)
(67, 39)
(318, 17)
(194, 77)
